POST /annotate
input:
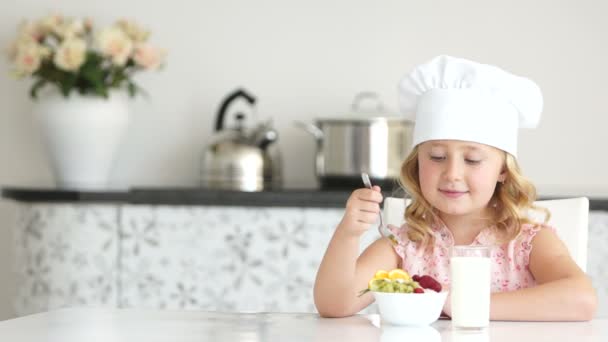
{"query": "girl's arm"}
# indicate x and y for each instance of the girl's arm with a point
(563, 291)
(343, 273)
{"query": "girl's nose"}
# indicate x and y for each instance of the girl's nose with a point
(453, 170)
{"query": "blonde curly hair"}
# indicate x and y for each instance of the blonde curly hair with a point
(512, 199)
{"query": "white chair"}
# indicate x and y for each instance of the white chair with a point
(570, 217)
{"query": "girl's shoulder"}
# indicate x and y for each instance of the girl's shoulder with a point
(523, 243)
(529, 230)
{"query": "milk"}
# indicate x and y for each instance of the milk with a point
(470, 291)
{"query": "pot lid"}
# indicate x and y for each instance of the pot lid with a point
(366, 107)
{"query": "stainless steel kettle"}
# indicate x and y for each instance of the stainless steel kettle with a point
(244, 156)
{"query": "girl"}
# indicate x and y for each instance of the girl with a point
(466, 189)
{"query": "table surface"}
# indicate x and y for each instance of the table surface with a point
(109, 325)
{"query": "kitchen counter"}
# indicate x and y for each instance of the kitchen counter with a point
(302, 198)
(155, 248)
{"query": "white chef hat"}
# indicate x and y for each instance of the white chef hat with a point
(457, 99)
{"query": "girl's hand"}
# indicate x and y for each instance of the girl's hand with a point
(362, 209)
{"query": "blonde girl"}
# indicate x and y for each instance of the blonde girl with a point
(466, 189)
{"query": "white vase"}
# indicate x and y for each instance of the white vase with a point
(82, 135)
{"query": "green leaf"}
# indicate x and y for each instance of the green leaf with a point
(132, 88)
(93, 78)
(101, 90)
(117, 76)
(68, 83)
(34, 90)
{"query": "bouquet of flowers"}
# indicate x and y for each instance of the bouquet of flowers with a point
(69, 54)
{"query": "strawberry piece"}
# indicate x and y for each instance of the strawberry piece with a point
(418, 290)
(429, 282)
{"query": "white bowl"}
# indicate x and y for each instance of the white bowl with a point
(410, 308)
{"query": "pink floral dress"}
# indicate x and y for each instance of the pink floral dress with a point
(509, 261)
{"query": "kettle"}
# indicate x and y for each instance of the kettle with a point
(243, 156)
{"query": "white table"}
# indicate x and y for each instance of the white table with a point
(110, 325)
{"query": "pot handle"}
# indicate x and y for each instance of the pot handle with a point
(367, 95)
(312, 129)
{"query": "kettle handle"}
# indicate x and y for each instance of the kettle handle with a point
(219, 120)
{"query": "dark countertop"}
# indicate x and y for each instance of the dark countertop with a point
(311, 198)
(314, 198)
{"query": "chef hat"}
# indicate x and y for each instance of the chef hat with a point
(454, 98)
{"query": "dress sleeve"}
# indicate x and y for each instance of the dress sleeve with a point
(528, 232)
(400, 234)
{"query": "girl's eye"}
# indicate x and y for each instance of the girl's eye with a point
(437, 158)
(472, 161)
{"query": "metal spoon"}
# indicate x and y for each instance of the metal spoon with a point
(368, 184)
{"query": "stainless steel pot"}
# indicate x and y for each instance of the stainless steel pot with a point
(375, 143)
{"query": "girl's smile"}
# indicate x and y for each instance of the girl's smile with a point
(453, 193)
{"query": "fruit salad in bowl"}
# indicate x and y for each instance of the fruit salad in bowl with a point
(407, 300)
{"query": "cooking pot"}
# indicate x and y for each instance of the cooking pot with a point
(242, 156)
(372, 141)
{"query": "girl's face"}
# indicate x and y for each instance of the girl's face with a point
(459, 177)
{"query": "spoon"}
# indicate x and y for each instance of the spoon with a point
(381, 228)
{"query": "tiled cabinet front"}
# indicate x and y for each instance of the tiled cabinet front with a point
(173, 257)
(190, 257)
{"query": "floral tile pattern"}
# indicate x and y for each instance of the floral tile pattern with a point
(213, 258)
(222, 258)
(65, 255)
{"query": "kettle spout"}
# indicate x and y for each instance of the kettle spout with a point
(268, 137)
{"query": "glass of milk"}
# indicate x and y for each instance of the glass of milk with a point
(470, 287)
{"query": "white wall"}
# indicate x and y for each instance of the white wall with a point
(308, 58)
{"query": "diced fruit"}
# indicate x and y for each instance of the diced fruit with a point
(399, 274)
(381, 274)
(400, 287)
(429, 282)
(399, 281)
(377, 284)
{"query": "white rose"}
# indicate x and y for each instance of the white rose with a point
(51, 23)
(133, 30)
(88, 24)
(71, 54)
(115, 43)
(44, 51)
(70, 29)
(27, 58)
(29, 30)
(30, 46)
(148, 57)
